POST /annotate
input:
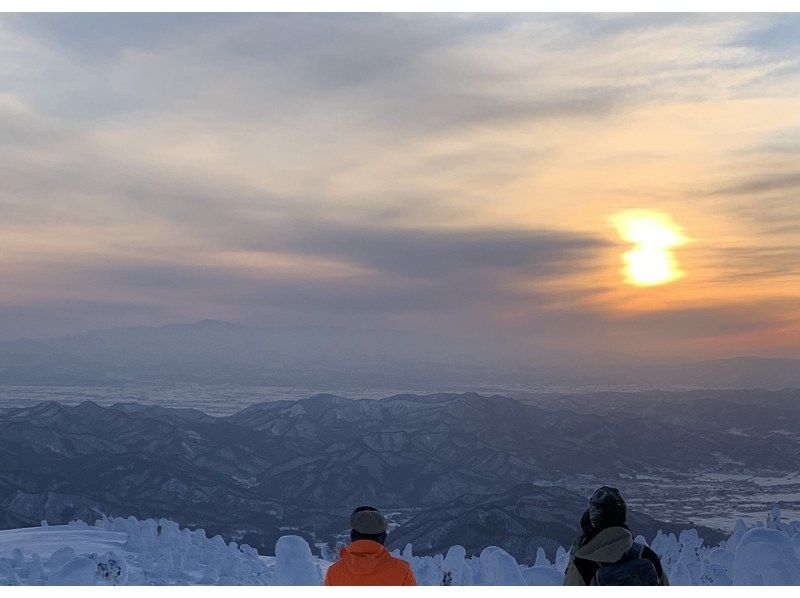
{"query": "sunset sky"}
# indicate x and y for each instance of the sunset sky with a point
(450, 175)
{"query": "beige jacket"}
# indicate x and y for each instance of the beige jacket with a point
(606, 547)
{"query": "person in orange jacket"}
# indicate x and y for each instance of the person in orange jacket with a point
(366, 562)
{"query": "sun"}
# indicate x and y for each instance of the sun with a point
(654, 235)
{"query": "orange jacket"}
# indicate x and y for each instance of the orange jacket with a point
(368, 563)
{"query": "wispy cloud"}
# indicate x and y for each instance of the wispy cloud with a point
(425, 171)
(777, 181)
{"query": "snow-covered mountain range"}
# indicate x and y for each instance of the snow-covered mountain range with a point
(443, 462)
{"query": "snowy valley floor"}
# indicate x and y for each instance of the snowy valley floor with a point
(120, 551)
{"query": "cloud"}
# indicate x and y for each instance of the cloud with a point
(429, 171)
(712, 321)
(779, 181)
(438, 272)
(441, 252)
(762, 262)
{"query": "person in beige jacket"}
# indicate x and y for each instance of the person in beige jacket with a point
(605, 554)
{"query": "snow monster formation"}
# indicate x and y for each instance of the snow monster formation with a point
(120, 551)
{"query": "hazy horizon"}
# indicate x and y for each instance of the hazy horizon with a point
(420, 340)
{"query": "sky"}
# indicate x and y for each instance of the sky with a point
(454, 177)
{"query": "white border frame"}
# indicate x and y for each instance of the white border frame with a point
(398, 6)
(386, 6)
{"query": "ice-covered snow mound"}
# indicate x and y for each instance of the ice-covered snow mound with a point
(120, 551)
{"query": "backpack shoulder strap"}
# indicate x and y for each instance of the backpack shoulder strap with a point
(586, 569)
(649, 554)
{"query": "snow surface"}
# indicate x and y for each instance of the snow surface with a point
(119, 551)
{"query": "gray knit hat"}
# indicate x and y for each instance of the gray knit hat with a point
(369, 522)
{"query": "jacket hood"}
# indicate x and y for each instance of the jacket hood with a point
(362, 557)
(608, 546)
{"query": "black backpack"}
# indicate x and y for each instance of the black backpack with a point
(634, 568)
